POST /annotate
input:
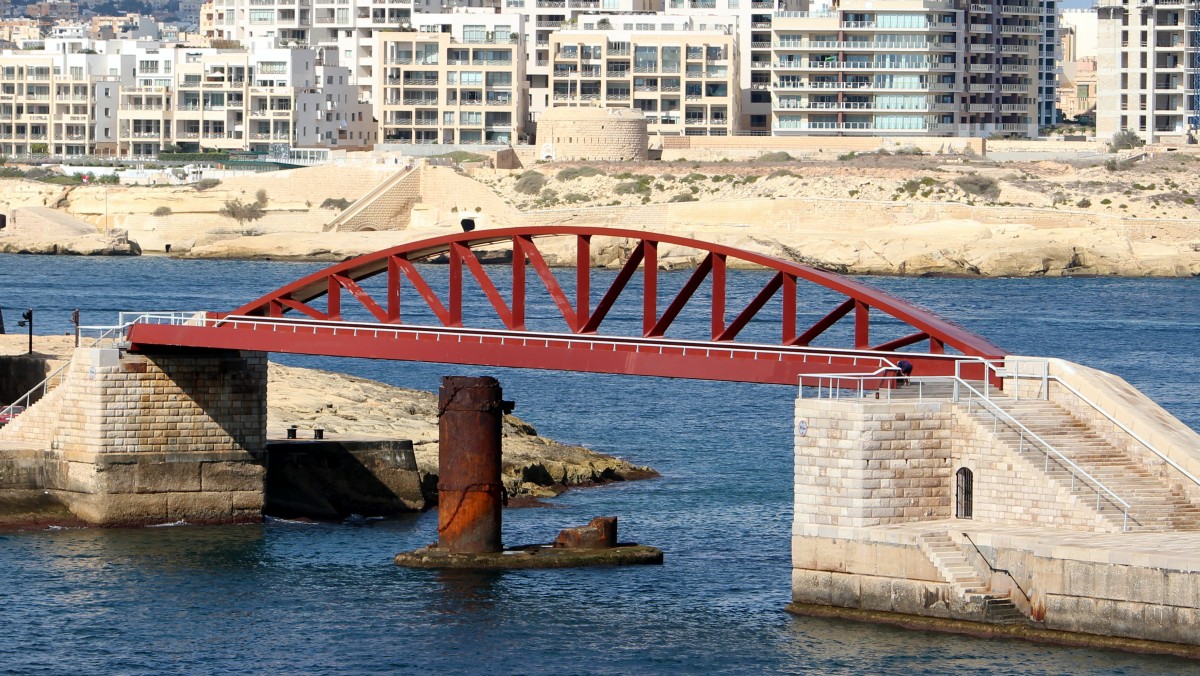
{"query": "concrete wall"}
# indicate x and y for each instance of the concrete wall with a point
(135, 439)
(20, 374)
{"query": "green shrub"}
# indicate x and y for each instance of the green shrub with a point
(848, 156)
(853, 193)
(682, 197)
(693, 177)
(1189, 200)
(983, 186)
(627, 188)
(549, 196)
(1084, 203)
(750, 179)
(623, 175)
(778, 156)
(162, 211)
(1125, 140)
(1106, 201)
(578, 172)
(530, 183)
(911, 186)
(336, 203)
(575, 198)
(779, 173)
(242, 212)
(206, 183)
(260, 197)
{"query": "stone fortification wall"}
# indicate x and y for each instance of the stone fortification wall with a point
(390, 208)
(1099, 590)
(450, 196)
(598, 134)
(866, 465)
(1094, 590)
(134, 439)
(712, 148)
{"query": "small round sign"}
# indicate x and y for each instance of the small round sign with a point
(801, 428)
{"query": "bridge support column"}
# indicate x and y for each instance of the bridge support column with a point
(138, 439)
(470, 493)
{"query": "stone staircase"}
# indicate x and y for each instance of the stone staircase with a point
(1154, 504)
(951, 562)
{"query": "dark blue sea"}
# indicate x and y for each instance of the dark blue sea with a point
(325, 598)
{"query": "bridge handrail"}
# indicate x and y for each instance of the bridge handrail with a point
(203, 319)
(998, 414)
(1046, 378)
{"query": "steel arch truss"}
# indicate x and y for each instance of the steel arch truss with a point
(317, 301)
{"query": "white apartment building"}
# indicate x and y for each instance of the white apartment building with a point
(920, 67)
(1148, 69)
(753, 25)
(684, 81)
(133, 98)
(456, 79)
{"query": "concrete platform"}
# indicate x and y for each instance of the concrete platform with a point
(532, 556)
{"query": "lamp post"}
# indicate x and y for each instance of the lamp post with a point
(27, 320)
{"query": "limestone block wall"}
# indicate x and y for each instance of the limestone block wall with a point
(857, 568)
(447, 191)
(1155, 596)
(1100, 590)
(1127, 405)
(390, 208)
(614, 135)
(866, 464)
(1011, 488)
(134, 439)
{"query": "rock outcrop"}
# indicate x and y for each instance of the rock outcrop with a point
(349, 407)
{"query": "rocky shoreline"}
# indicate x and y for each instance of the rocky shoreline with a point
(861, 215)
(357, 408)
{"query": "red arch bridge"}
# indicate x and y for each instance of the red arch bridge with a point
(820, 322)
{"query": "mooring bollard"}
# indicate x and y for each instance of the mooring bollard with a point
(291, 432)
(470, 494)
(318, 433)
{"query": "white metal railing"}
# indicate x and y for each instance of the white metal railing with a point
(1041, 372)
(830, 386)
(113, 334)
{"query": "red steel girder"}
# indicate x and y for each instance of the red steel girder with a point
(575, 305)
(779, 365)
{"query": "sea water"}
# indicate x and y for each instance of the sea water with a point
(326, 598)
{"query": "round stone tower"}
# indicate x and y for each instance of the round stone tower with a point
(613, 134)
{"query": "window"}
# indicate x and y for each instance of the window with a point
(758, 120)
(470, 77)
(272, 68)
(148, 67)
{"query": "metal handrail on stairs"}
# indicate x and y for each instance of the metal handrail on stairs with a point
(105, 333)
(997, 413)
(1046, 378)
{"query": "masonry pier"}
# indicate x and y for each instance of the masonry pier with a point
(1069, 514)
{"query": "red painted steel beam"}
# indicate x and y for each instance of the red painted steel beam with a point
(731, 362)
(396, 262)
